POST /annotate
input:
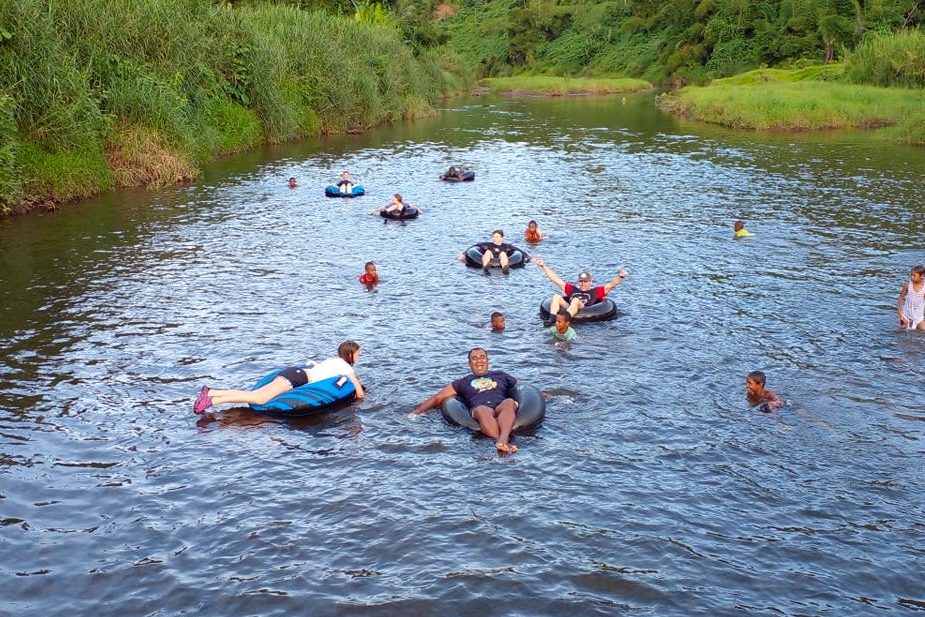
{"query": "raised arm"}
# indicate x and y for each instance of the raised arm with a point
(445, 392)
(549, 273)
(609, 285)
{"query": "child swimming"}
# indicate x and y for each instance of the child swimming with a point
(563, 330)
(533, 234)
(757, 394)
(740, 231)
(370, 276)
(498, 322)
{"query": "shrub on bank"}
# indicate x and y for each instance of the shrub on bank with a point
(9, 177)
(889, 60)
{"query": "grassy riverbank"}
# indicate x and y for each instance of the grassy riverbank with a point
(547, 85)
(785, 101)
(96, 94)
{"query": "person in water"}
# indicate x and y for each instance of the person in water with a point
(398, 207)
(498, 322)
(345, 185)
(370, 276)
(497, 249)
(563, 330)
(293, 183)
(533, 234)
(581, 295)
(740, 231)
(452, 172)
(911, 304)
(757, 394)
(347, 354)
(487, 394)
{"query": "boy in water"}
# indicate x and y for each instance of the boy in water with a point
(498, 322)
(533, 234)
(293, 183)
(740, 231)
(911, 304)
(757, 394)
(563, 329)
(370, 276)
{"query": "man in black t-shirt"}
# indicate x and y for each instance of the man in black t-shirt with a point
(487, 394)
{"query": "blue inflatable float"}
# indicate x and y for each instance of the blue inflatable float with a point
(333, 191)
(311, 398)
(531, 409)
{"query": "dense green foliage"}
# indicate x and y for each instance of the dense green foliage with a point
(890, 61)
(680, 41)
(95, 86)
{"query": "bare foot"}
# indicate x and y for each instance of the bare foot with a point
(506, 447)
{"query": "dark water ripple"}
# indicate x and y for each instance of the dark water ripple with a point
(651, 488)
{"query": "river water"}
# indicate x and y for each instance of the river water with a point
(651, 488)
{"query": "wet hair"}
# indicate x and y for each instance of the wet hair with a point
(498, 231)
(473, 350)
(758, 377)
(398, 197)
(291, 178)
(532, 222)
(346, 351)
(497, 314)
(917, 269)
(738, 225)
(564, 313)
(369, 263)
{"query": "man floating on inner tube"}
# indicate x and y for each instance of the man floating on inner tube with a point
(487, 394)
(581, 295)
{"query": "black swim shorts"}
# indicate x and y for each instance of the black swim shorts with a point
(295, 376)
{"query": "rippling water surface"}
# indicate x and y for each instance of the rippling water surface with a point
(651, 488)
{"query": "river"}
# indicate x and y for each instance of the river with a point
(650, 489)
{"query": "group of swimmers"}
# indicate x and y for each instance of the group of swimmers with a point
(488, 393)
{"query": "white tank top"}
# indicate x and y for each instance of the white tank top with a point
(332, 367)
(914, 304)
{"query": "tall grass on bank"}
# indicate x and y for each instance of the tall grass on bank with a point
(559, 86)
(893, 60)
(802, 105)
(9, 177)
(144, 91)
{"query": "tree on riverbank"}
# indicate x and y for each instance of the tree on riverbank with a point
(665, 42)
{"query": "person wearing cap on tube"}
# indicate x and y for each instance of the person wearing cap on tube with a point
(581, 294)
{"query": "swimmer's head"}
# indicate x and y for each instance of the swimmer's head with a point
(738, 226)
(754, 382)
(497, 321)
(293, 182)
(370, 268)
(563, 321)
(349, 351)
(532, 225)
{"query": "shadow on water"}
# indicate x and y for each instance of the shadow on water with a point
(650, 488)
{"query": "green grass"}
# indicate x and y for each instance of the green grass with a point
(784, 104)
(558, 86)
